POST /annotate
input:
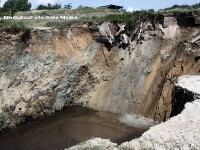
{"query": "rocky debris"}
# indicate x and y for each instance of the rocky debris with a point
(164, 54)
(96, 143)
(190, 83)
(122, 28)
(195, 39)
(104, 30)
(186, 90)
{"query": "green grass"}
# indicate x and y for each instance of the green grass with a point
(126, 148)
(61, 12)
(13, 24)
(20, 25)
(127, 16)
(94, 148)
(86, 10)
(59, 24)
(178, 10)
(182, 8)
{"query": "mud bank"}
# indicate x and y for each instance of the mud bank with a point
(41, 71)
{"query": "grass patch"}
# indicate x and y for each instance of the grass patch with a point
(5, 24)
(142, 15)
(182, 8)
(59, 24)
(94, 148)
(126, 148)
(20, 25)
(13, 24)
(125, 16)
(86, 10)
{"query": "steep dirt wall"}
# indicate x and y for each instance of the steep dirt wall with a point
(41, 71)
(144, 81)
(185, 63)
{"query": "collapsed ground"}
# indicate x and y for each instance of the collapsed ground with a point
(124, 71)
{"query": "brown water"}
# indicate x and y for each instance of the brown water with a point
(67, 128)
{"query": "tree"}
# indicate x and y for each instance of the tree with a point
(68, 6)
(56, 6)
(41, 7)
(49, 6)
(17, 5)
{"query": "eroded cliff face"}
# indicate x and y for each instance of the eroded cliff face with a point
(179, 132)
(149, 68)
(42, 71)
